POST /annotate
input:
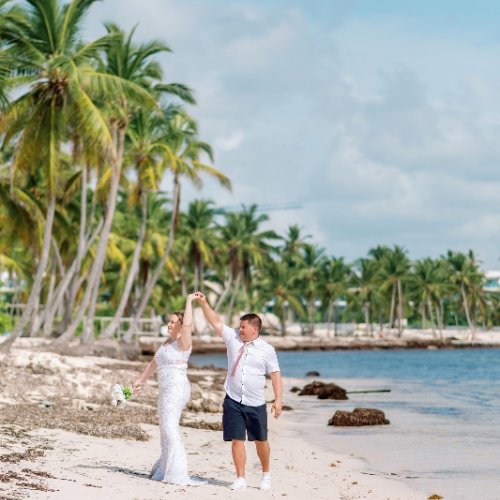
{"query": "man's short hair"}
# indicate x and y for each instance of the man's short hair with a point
(253, 319)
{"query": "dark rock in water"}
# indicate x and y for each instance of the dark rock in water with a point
(324, 391)
(332, 391)
(286, 408)
(312, 373)
(295, 389)
(359, 416)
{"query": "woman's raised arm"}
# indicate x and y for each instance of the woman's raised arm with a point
(185, 341)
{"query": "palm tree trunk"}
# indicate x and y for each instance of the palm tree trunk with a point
(400, 308)
(311, 313)
(66, 291)
(36, 320)
(283, 319)
(88, 330)
(439, 320)
(422, 314)
(94, 278)
(431, 315)
(368, 319)
(53, 303)
(134, 267)
(393, 306)
(229, 312)
(36, 288)
(184, 287)
(329, 318)
(224, 293)
(196, 277)
(467, 312)
(439, 316)
(153, 278)
(50, 293)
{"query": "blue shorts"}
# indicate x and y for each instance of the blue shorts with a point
(238, 420)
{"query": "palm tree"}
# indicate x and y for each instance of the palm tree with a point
(134, 67)
(310, 271)
(145, 152)
(468, 279)
(395, 267)
(58, 96)
(248, 247)
(278, 283)
(294, 243)
(12, 19)
(365, 280)
(183, 158)
(335, 278)
(429, 283)
(198, 233)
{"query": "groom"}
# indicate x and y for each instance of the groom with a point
(244, 410)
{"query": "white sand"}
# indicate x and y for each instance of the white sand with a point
(86, 467)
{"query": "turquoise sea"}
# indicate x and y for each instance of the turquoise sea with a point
(444, 408)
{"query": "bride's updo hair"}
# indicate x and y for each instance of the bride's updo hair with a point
(180, 315)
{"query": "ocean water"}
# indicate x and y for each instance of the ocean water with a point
(444, 408)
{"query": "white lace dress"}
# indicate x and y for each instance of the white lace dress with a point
(174, 394)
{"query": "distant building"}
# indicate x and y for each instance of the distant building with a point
(492, 281)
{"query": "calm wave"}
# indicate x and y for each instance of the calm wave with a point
(444, 408)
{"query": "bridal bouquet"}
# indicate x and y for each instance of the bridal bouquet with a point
(120, 394)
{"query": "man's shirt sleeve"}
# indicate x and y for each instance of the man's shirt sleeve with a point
(272, 364)
(228, 333)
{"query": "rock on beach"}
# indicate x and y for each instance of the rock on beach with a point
(358, 417)
(324, 391)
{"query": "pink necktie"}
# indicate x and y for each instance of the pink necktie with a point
(238, 359)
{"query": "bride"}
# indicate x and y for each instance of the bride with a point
(174, 392)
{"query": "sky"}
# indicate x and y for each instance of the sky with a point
(380, 118)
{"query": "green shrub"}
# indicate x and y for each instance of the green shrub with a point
(6, 322)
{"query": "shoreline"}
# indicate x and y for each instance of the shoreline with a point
(54, 463)
(388, 340)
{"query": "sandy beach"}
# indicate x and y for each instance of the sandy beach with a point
(74, 458)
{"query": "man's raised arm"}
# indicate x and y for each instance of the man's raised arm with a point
(211, 316)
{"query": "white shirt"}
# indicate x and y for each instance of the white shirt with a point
(249, 381)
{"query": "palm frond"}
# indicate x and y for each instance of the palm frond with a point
(212, 171)
(72, 16)
(104, 85)
(179, 90)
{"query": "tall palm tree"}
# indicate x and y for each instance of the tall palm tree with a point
(146, 150)
(335, 279)
(466, 276)
(248, 247)
(198, 232)
(183, 158)
(294, 243)
(365, 280)
(427, 279)
(394, 271)
(134, 67)
(277, 282)
(310, 271)
(59, 96)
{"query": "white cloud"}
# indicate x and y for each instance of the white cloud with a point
(229, 142)
(387, 133)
